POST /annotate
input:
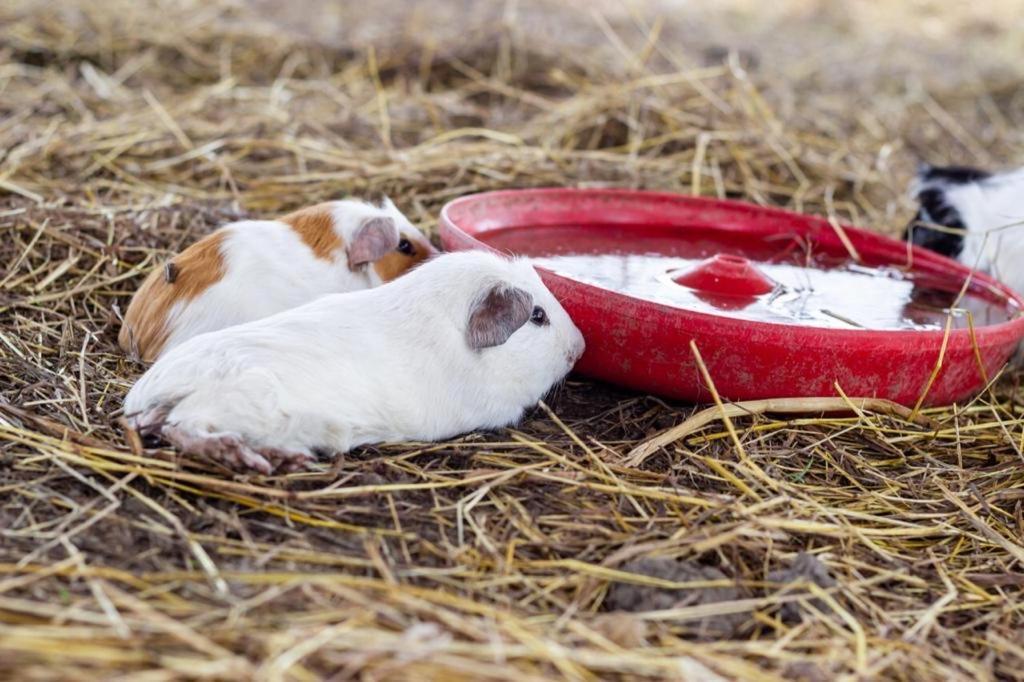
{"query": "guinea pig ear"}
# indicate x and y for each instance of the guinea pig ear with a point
(375, 238)
(497, 315)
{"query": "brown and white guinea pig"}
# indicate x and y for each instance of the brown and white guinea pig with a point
(985, 212)
(250, 269)
(466, 341)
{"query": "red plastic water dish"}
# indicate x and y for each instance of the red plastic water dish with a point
(779, 304)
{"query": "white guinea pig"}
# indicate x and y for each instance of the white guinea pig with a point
(254, 268)
(987, 212)
(466, 341)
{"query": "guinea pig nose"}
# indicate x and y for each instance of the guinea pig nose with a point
(575, 353)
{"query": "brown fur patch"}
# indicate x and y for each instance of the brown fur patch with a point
(396, 264)
(145, 329)
(315, 226)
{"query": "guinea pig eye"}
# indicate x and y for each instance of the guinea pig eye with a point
(405, 246)
(538, 316)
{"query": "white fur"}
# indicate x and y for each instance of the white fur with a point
(268, 269)
(385, 364)
(992, 210)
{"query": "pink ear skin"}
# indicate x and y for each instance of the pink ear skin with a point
(497, 316)
(375, 238)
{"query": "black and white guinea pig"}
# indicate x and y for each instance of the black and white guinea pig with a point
(254, 268)
(986, 213)
(466, 341)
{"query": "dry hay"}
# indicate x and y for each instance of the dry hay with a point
(868, 545)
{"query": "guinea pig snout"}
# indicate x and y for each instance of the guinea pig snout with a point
(576, 347)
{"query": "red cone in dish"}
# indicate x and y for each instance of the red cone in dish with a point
(725, 281)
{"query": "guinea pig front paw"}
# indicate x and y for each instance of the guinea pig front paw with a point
(233, 451)
(287, 461)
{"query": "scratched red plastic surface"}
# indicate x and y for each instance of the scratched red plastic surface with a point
(645, 345)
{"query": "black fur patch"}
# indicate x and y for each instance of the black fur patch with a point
(955, 175)
(934, 209)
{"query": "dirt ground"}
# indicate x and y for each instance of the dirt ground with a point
(810, 547)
